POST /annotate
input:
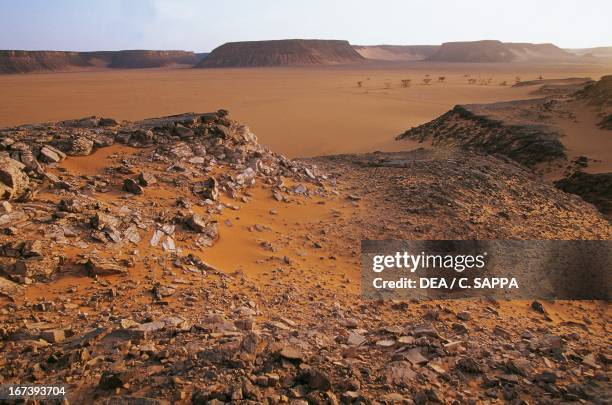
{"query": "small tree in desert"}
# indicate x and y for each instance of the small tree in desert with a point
(360, 84)
(426, 81)
(405, 83)
(441, 79)
(504, 83)
(471, 81)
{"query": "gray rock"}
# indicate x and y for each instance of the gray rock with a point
(131, 186)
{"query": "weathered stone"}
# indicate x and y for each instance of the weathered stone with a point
(356, 339)
(183, 132)
(468, 364)
(111, 380)
(400, 374)
(102, 220)
(249, 343)
(9, 288)
(146, 179)
(207, 189)
(53, 335)
(415, 357)
(291, 352)
(315, 379)
(49, 154)
(107, 122)
(464, 315)
(79, 146)
(131, 186)
(14, 182)
(103, 267)
(5, 207)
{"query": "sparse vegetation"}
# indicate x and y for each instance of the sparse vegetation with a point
(471, 81)
(426, 81)
(441, 79)
(517, 79)
(405, 83)
(504, 83)
(360, 84)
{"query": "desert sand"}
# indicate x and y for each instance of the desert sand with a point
(295, 111)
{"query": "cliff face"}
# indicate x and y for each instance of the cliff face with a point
(281, 53)
(35, 61)
(52, 61)
(497, 51)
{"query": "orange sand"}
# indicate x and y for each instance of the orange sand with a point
(296, 111)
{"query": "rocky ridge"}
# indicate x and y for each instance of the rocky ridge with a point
(528, 131)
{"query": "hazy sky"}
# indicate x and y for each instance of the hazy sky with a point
(201, 25)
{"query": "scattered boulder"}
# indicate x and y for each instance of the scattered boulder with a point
(76, 146)
(103, 267)
(49, 154)
(207, 189)
(131, 186)
(14, 182)
(146, 179)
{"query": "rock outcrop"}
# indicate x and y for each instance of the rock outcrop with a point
(594, 188)
(478, 127)
(14, 182)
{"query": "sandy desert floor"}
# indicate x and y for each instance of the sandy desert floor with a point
(295, 111)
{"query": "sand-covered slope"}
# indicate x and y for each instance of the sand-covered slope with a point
(396, 52)
(287, 52)
(497, 51)
(604, 52)
(56, 61)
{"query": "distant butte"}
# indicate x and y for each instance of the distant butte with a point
(286, 52)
